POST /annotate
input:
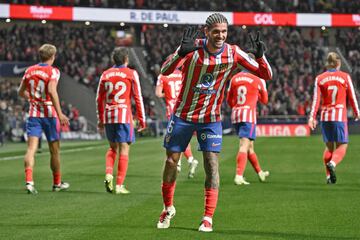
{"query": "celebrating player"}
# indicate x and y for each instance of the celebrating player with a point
(169, 88)
(117, 85)
(38, 86)
(333, 87)
(245, 89)
(207, 65)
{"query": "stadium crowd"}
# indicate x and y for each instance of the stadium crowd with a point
(321, 6)
(296, 60)
(84, 52)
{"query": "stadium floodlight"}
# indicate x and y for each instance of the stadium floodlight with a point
(43, 21)
(87, 23)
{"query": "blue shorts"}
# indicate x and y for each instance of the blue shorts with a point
(335, 132)
(51, 127)
(120, 132)
(179, 133)
(246, 130)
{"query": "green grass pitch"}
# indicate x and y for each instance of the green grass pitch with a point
(295, 203)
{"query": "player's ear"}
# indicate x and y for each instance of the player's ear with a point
(206, 31)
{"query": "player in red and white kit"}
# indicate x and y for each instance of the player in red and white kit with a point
(116, 87)
(207, 65)
(245, 90)
(38, 86)
(168, 87)
(333, 88)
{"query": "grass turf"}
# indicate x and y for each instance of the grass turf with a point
(295, 203)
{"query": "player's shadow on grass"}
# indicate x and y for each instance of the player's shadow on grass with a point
(279, 235)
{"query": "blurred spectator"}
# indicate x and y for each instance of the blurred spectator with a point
(320, 6)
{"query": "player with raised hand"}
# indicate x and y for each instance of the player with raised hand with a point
(168, 87)
(39, 87)
(206, 65)
(245, 90)
(333, 88)
(117, 85)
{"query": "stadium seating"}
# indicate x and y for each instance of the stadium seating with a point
(215, 5)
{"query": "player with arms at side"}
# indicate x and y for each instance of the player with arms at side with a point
(168, 87)
(207, 65)
(333, 88)
(245, 90)
(117, 85)
(39, 87)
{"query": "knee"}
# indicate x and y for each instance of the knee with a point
(171, 162)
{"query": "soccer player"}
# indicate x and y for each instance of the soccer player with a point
(117, 85)
(169, 88)
(333, 88)
(38, 86)
(207, 65)
(245, 89)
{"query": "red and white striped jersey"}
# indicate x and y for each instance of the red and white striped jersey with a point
(205, 76)
(244, 91)
(116, 86)
(333, 88)
(171, 86)
(36, 80)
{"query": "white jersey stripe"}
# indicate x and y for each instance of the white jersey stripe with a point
(50, 112)
(116, 115)
(245, 112)
(315, 99)
(353, 94)
(246, 57)
(123, 117)
(42, 109)
(333, 112)
(340, 115)
(137, 82)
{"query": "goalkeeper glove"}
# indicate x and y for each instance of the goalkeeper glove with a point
(257, 46)
(188, 41)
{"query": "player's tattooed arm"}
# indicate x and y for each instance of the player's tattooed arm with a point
(211, 166)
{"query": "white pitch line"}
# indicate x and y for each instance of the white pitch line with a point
(69, 150)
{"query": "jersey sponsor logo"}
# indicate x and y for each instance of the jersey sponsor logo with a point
(203, 136)
(18, 70)
(167, 138)
(215, 144)
(210, 136)
(207, 81)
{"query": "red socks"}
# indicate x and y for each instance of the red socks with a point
(241, 163)
(122, 169)
(56, 178)
(254, 162)
(28, 175)
(327, 157)
(168, 190)
(188, 152)
(338, 154)
(110, 160)
(211, 197)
